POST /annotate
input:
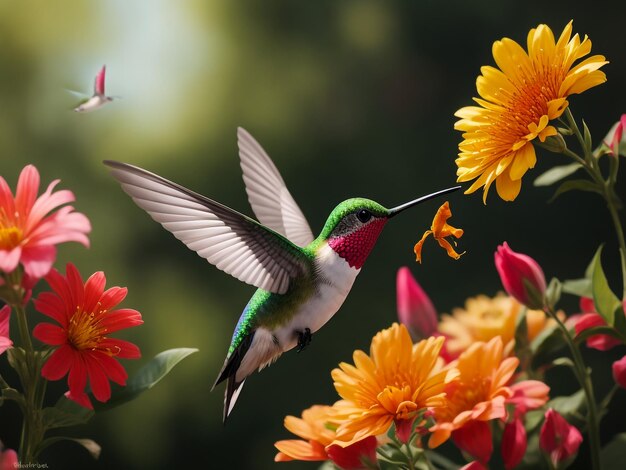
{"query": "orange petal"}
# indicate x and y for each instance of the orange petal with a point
(417, 249)
(449, 250)
(295, 449)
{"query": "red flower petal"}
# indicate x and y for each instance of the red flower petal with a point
(619, 372)
(76, 286)
(77, 380)
(81, 398)
(58, 283)
(119, 319)
(350, 457)
(120, 348)
(50, 334)
(94, 287)
(52, 306)
(513, 444)
(475, 439)
(111, 367)
(98, 381)
(58, 363)
(112, 297)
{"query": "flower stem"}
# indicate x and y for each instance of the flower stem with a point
(32, 432)
(585, 382)
(605, 186)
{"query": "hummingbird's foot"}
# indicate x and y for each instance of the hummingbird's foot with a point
(304, 339)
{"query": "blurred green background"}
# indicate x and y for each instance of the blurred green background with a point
(350, 98)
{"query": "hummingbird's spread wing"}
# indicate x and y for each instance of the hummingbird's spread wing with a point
(233, 242)
(268, 195)
(98, 87)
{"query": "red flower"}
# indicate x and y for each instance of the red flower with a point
(28, 230)
(415, 310)
(86, 315)
(619, 372)
(559, 439)
(8, 459)
(475, 439)
(590, 319)
(516, 270)
(5, 341)
(513, 443)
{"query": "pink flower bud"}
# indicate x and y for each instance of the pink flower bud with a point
(5, 341)
(475, 438)
(415, 310)
(614, 137)
(8, 459)
(513, 444)
(619, 372)
(559, 439)
(516, 269)
(351, 457)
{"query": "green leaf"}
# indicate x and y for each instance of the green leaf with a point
(570, 407)
(612, 455)
(146, 378)
(91, 446)
(522, 345)
(581, 185)
(578, 287)
(12, 394)
(556, 174)
(604, 299)
(65, 413)
(547, 342)
(564, 361)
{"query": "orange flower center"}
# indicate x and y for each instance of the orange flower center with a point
(86, 332)
(10, 237)
(10, 234)
(531, 107)
(467, 394)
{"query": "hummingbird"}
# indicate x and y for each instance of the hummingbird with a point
(98, 99)
(301, 281)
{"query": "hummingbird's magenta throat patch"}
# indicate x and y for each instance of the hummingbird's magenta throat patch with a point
(356, 246)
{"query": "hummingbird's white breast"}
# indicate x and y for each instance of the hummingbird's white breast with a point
(335, 279)
(91, 104)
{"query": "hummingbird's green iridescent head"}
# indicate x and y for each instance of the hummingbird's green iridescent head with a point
(354, 226)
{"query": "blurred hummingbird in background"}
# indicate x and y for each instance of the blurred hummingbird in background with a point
(98, 99)
(302, 281)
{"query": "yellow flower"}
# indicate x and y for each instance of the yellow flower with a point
(518, 99)
(395, 382)
(440, 229)
(484, 318)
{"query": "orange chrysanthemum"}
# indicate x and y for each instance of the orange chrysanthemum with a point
(484, 318)
(440, 230)
(395, 382)
(313, 428)
(480, 392)
(518, 99)
(317, 433)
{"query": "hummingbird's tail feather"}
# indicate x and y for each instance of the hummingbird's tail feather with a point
(233, 389)
(255, 351)
(233, 361)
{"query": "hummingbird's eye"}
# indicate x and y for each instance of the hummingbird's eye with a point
(364, 215)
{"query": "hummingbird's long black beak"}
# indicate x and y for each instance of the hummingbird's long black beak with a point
(396, 210)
